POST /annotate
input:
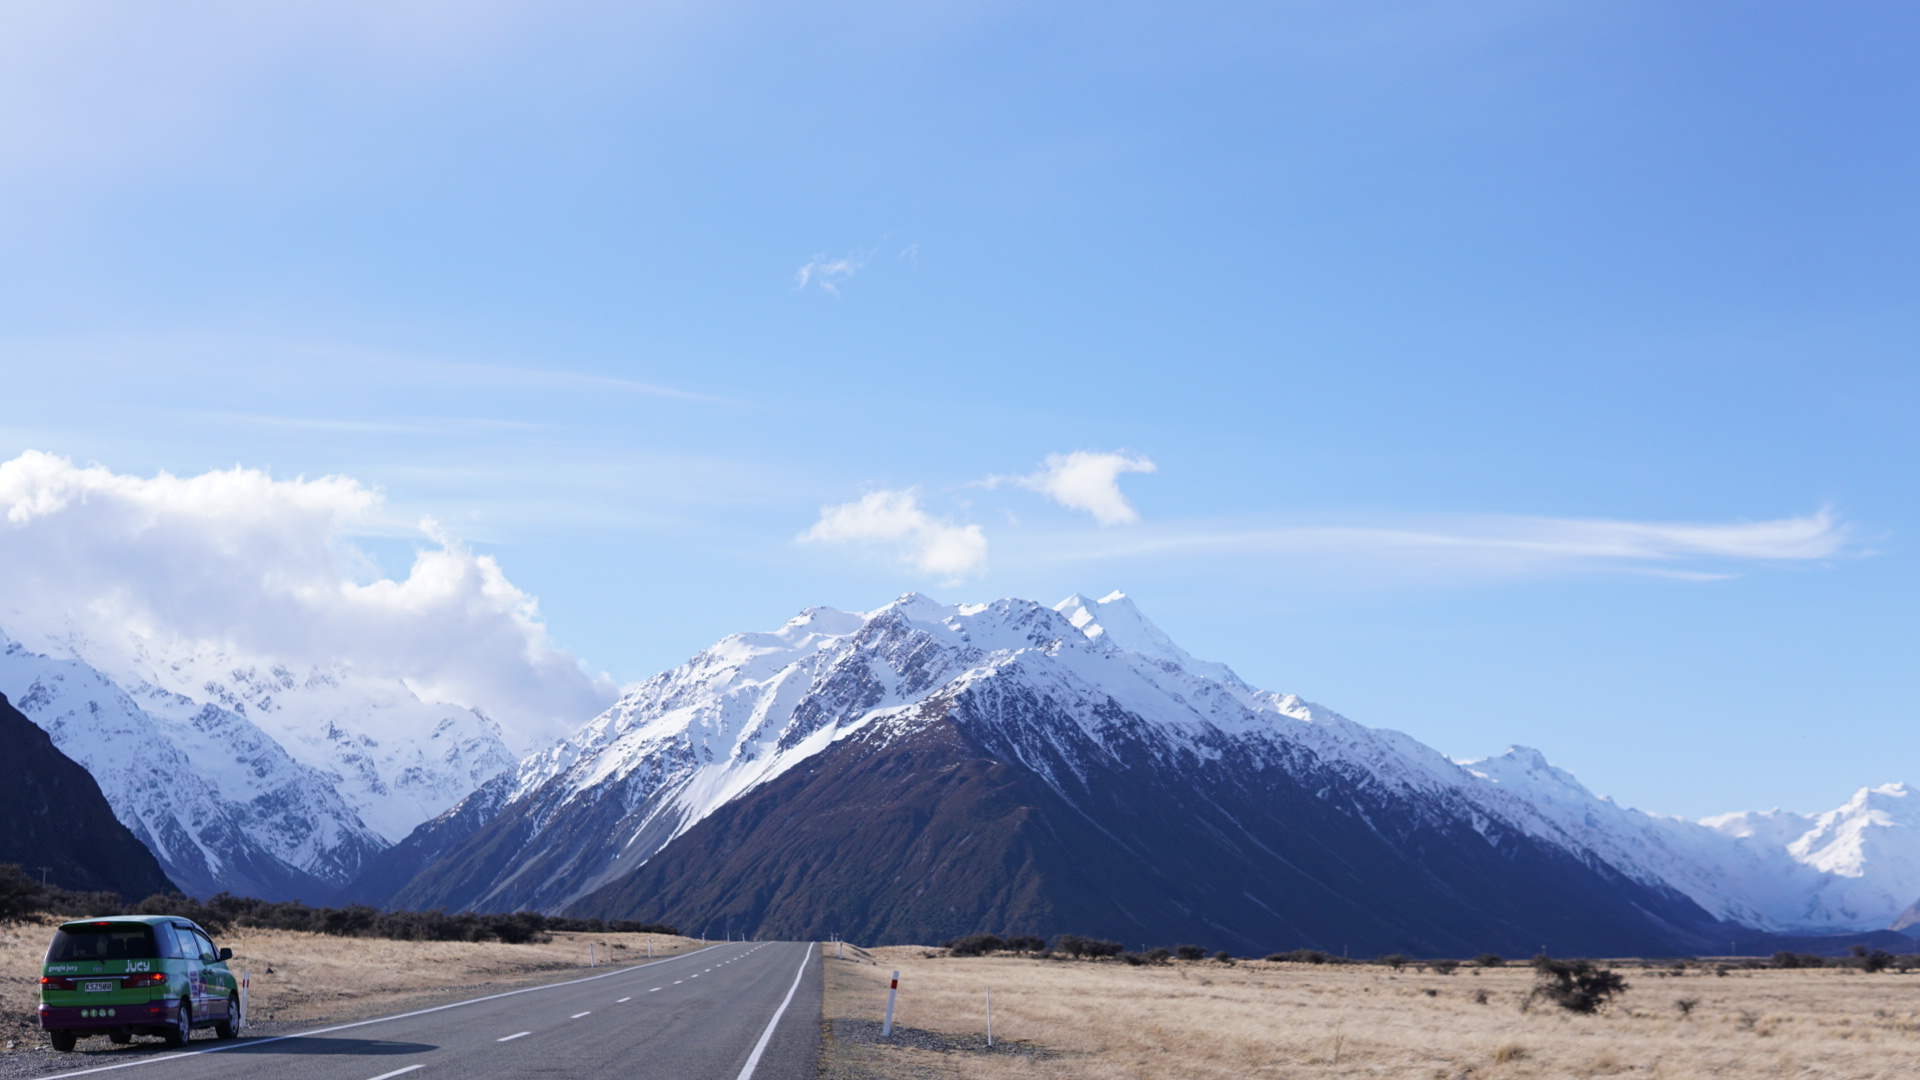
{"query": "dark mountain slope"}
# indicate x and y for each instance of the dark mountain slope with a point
(920, 830)
(55, 817)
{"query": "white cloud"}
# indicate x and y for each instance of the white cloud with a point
(896, 517)
(264, 567)
(826, 272)
(1085, 480)
(1498, 545)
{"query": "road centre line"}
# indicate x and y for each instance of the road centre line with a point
(655, 990)
(577, 1016)
(623, 1001)
(753, 1060)
(515, 1035)
(241, 1044)
(397, 1072)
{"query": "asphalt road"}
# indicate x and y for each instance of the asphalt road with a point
(705, 1014)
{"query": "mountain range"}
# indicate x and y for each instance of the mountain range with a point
(924, 770)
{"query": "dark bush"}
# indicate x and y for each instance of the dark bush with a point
(1032, 943)
(1190, 952)
(1798, 960)
(1443, 967)
(20, 894)
(1158, 956)
(1133, 959)
(1906, 962)
(1574, 985)
(1489, 960)
(1871, 960)
(1394, 960)
(1226, 957)
(1301, 956)
(1091, 948)
(974, 945)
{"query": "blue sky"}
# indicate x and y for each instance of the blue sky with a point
(1435, 323)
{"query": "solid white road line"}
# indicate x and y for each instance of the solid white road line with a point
(753, 1060)
(577, 1016)
(397, 1072)
(239, 1043)
(515, 1035)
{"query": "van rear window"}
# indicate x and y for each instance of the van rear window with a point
(114, 941)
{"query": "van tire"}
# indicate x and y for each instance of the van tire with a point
(182, 1030)
(63, 1041)
(230, 1027)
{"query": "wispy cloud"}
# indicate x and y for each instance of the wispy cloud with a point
(897, 520)
(1492, 544)
(827, 273)
(1086, 480)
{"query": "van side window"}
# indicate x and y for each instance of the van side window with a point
(207, 951)
(169, 945)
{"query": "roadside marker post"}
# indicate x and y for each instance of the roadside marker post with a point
(246, 980)
(886, 1030)
(989, 1017)
(649, 946)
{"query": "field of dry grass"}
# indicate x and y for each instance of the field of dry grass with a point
(308, 977)
(1207, 1020)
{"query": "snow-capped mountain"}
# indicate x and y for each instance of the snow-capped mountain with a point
(251, 776)
(573, 825)
(1306, 826)
(216, 799)
(1851, 869)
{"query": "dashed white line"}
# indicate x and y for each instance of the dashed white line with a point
(515, 1035)
(623, 1001)
(397, 1072)
(655, 990)
(577, 1016)
(677, 982)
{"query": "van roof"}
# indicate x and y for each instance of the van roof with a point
(144, 920)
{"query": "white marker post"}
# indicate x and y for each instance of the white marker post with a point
(590, 960)
(649, 946)
(246, 979)
(886, 1030)
(989, 1017)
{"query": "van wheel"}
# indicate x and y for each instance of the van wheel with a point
(228, 1028)
(182, 1029)
(62, 1040)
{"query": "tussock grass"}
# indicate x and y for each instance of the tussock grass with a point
(316, 976)
(1207, 1021)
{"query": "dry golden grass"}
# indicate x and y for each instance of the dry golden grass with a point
(1256, 1019)
(304, 977)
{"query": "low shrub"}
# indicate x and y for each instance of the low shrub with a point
(1091, 948)
(1443, 967)
(1489, 960)
(1798, 960)
(1158, 956)
(225, 911)
(974, 945)
(1394, 960)
(1871, 960)
(1301, 956)
(1226, 957)
(1189, 952)
(1574, 985)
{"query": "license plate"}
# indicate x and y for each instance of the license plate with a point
(100, 987)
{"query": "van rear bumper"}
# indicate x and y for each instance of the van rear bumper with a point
(108, 1017)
